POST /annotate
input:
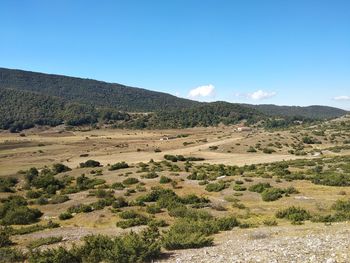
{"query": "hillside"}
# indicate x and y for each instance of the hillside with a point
(29, 98)
(87, 91)
(22, 110)
(314, 112)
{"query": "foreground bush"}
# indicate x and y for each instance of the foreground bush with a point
(11, 255)
(185, 234)
(195, 232)
(14, 211)
(5, 237)
(129, 248)
(58, 255)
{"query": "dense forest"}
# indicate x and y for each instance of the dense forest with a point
(87, 91)
(22, 110)
(29, 98)
(315, 112)
(210, 114)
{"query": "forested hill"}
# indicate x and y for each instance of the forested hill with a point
(29, 98)
(313, 112)
(87, 91)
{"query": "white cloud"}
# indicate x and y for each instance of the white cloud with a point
(342, 98)
(202, 91)
(260, 95)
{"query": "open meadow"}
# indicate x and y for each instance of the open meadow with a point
(262, 186)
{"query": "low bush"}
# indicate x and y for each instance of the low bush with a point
(119, 202)
(5, 237)
(153, 209)
(164, 180)
(184, 234)
(294, 214)
(259, 188)
(118, 186)
(44, 241)
(130, 181)
(238, 187)
(332, 179)
(129, 248)
(65, 216)
(151, 175)
(11, 255)
(7, 184)
(60, 168)
(14, 211)
(117, 166)
(272, 194)
(59, 199)
(215, 187)
(90, 163)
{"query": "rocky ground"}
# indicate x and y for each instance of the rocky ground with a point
(307, 243)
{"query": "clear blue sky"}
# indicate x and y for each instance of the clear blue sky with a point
(294, 52)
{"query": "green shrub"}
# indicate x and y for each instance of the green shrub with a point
(270, 222)
(80, 208)
(128, 214)
(164, 180)
(5, 237)
(251, 149)
(59, 199)
(117, 166)
(15, 212)
(238, 187)
(268, 150)
(44, 241)
(33, 228)
(226, 223)
(118, 186)
(119, 202)
(153, 209)
(137, 221)
(294, 214)
(42, 201)
(7, 184)
(332, 179)
(259, 188)
(60, 168)
(184, 234)
(90, 163)
(128, 248)
(215, 187)
(33, 194)
(85, 183)
(151, 175)
(271, 194)
(11, 255)
(65, 216)
(57, 255)
(130, 181)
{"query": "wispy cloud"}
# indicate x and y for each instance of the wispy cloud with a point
(257, 95)
(202, 91)
(342, 98)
